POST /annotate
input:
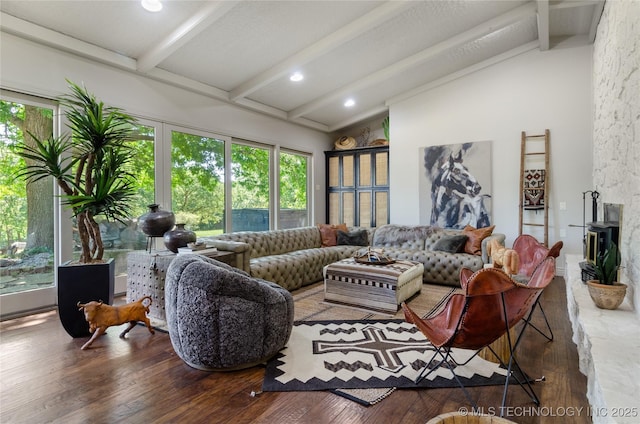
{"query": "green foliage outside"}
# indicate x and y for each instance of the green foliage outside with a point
(197, 178)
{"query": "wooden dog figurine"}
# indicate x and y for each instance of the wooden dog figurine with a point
(507, 259)
(101, 316)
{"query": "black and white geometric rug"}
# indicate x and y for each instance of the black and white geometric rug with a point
(364, 354)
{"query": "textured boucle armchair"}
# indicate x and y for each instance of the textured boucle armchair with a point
(220, 318)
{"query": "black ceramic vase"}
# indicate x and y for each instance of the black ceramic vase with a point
(179, 237)
(156, 222)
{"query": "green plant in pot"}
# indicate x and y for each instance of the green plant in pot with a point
(385, 127)
(91, 166)
(606, 292)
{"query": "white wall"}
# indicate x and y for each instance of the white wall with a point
(530, 92)
(616, 138)
(35, 69)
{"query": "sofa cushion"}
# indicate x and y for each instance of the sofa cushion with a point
(292, 239)
(402, 236)
(352, 238)
(475, 236)
(329, 233)
(451, 244)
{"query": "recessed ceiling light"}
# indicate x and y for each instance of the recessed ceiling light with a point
(296, 76)
(349, 103)
(152, 5)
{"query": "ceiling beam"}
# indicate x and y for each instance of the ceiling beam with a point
(44, 36)
(358, 118)
(597, 14)
(198, 22)
(488, 27)
(187, 83)
(372, 19)
(543, 24)
(41, 35)
(570, 4)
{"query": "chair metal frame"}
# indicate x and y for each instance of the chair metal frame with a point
(508, 292)
(532, 253)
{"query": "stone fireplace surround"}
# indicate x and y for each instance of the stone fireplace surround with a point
(608, 348)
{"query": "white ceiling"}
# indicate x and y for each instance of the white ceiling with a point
(243, 52)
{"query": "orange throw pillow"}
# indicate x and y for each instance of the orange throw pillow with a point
(329, 233)
(475, 237)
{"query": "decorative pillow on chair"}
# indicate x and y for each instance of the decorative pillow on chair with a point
(451, 244)
(475, 236)
(328, 233)
(353, 238)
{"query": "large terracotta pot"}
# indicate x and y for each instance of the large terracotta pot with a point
(606, 296)
(156, 222)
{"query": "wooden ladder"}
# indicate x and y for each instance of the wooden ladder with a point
(533, 182)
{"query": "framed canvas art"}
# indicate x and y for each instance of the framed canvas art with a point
(455, 185)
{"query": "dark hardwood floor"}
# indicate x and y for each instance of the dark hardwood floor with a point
(45, 377)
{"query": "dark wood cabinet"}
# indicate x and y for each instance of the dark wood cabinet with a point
(358, 186)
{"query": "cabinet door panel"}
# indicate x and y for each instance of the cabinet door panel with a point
(364, 169)
(382, 169)
(334, 208)
(382, 208)
(349, 208)
(348, 171)
(334, 171)
(364, 208)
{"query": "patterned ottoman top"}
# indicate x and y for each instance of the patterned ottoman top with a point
(390, 273)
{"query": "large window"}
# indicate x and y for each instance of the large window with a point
(197, 182)
(250, 184)
(26, 210)
(212, 184)
(294, 186)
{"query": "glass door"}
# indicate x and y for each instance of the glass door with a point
(27, 224)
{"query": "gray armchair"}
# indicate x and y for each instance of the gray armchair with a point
(220, 318)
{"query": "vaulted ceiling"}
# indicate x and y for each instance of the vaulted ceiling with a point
(243, 52)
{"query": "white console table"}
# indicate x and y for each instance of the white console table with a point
(609, 350)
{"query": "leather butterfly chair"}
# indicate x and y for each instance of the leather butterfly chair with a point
(490, 305)
(531, 252)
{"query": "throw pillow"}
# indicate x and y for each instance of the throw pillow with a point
(328, 233)
(475, 236)
(353, 238)
(451, 244)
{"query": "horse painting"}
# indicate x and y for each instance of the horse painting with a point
(456, 198)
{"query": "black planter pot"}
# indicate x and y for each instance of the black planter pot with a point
(83, 283)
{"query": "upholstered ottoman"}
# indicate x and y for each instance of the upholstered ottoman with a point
(220, 318)
(377, 287)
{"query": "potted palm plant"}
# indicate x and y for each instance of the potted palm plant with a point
(91, 166)
(606, 292)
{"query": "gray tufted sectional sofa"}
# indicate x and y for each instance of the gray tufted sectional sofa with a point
(415, 243)
(294, 258)
(291, 258)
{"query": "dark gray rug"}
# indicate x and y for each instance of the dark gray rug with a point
(364, 354)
